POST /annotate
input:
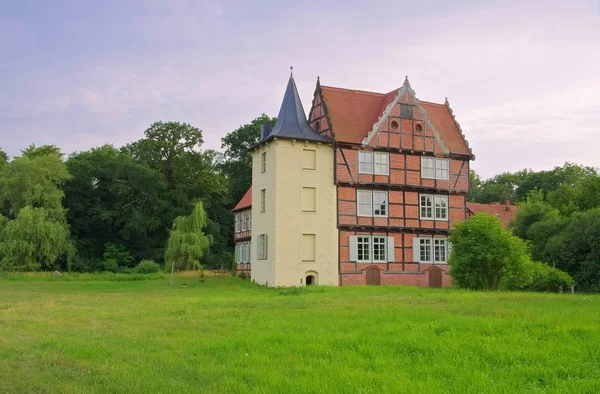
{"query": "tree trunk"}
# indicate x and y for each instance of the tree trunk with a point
(172, 271)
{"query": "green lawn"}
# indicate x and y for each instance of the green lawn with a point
(231, 336)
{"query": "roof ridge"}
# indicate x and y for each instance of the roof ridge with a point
(431, 102)
(355, 90)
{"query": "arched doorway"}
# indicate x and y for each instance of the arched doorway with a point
(435, 277)
(310, 280)
(373, 277)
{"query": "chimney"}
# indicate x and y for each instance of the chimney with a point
(507, 205)
(265, 131)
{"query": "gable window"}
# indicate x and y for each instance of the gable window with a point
(263, 199)
(372, 203)
(262, 247)
(237, 222)
(426, 207)
(406, 111)
(434, 168)
(366, 248)
(263, 162)
(431, 250)
(377, 163)
(365, 162)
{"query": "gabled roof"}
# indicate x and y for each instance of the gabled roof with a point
(353, 114)
(505, 212)
(245, 202)
(291, 121)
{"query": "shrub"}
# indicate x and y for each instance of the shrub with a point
(147, 267)
(547, 278)
(486, 256)
(242, 275)
(111, 265)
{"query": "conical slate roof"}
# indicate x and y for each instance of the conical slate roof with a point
(291, 121)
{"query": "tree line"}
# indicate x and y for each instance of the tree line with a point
(558, 222)
(109, 208)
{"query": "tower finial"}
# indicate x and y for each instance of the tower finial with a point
(291, 71)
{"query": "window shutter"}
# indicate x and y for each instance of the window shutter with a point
(416, 251)
(449, 251)
(353, 248)
(257, 247)
(266, 246)
(390, 250)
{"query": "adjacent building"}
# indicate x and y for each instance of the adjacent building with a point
(363, 191)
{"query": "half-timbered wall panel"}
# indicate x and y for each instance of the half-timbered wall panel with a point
(317, 117)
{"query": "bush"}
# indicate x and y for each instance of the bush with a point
(547, 278)
(485, 256)
(111, 265)
(147, 267)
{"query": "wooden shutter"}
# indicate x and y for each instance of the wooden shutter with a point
(266, 246)
(390, 249)
(416, 250)
(258, 247)
(353, 248)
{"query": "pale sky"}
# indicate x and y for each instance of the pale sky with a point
(521, 76)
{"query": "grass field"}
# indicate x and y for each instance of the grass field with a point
(228, 336)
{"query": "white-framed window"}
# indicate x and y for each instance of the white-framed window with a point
(431, 250)
(237, 222)
(441, 207)
(365, 162)
(364, 248)
(244, 250)
(238, 258)
(263, 245)
(442, 169)
(243, 220)
(249, 220)
(426, 206)
(365, 202)
(377, 163)
(372, 203)
(263, 162)
(434, 168)
(425, 250)
(263, 200)
(433, 207)
(379, 248)
(375, 248)
(382, 163)
(380, 204)
(428, 167)
(440, 250)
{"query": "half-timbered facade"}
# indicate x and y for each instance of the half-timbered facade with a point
(242, 232)
(400, 170)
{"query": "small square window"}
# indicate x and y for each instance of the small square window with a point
(406, 111)
(309, 199)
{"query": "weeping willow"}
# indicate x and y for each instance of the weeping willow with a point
(187, 241)
(33, 240)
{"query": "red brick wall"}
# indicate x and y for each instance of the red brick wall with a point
(418, 279)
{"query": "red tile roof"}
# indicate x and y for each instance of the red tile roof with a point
(505, 212)
(354, 112)
(245, 202)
